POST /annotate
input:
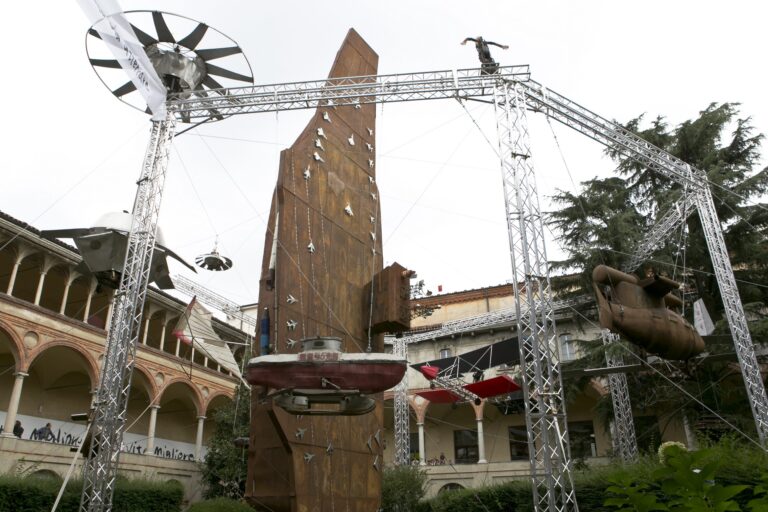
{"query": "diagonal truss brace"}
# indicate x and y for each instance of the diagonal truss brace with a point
(654, 239)
(213, 299)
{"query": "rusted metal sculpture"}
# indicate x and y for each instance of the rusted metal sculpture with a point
(642, 311)
(322, 278)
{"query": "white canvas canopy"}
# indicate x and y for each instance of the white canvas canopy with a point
(195, 328)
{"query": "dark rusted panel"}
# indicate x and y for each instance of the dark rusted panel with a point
(391, 299)
(640, 311)
(301, 463)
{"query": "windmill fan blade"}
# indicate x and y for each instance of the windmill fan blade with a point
(143, 37)
(217, 53)
(194, 37)
(216, 70)
(105, 63)
(124, 89)
(211, 83)
(163, 32)
(94, 33)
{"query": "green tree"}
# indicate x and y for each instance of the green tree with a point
(224, 468)
(603, 222)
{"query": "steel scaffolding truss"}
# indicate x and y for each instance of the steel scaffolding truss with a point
(539, 353)
(512, 91)
(213, 299)
(402, 416)
(110, 406)
(624, 439)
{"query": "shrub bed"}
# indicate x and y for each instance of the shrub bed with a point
(37, 495)
(220, 505)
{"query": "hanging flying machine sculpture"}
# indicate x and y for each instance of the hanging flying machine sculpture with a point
(643, 311)
(103, 249)
(213, 260)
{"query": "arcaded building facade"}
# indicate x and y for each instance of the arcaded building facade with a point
(52, 334)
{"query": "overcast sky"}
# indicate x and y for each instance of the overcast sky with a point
(71, 151)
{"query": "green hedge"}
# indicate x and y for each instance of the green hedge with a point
(220, 505)
(38, 495)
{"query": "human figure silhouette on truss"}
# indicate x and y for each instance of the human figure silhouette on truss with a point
(488, 65)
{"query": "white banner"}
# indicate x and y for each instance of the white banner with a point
(108, 20)
(68, 433)
(701, 320)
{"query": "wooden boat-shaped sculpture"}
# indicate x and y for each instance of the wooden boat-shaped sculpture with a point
(322, 374)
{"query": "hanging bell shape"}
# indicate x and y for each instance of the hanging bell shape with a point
(213, 261)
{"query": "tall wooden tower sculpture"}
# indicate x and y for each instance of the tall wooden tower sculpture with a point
(322, 251)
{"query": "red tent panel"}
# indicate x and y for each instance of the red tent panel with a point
(500, 385)
(430, 372)
(440, 396)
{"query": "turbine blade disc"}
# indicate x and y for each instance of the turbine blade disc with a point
(124, 89)
(217, 53)
(105, 63)
(94, 33)
(163, 32)
(216, 70)
(142, 36)
(209, 82)
(193, 38)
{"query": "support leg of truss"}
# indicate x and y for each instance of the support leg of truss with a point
(539, 354)
(402, 418)
(624, 439)
(108, 425)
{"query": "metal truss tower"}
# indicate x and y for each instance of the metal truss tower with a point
(109, 415)
(539, 353)
(402, 417)
(624, 439)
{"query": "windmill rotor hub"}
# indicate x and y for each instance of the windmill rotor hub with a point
(179, 72)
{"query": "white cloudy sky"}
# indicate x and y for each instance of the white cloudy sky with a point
(71, 151)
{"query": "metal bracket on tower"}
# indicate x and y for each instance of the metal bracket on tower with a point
(109, 416)
(539, 354)
(624, 439)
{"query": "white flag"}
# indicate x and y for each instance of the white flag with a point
(701, 319)
(108, 20)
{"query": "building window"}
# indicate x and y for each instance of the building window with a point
(465, 446)
(567, 347)
(582, 437)
(445, 352)
(518, 443)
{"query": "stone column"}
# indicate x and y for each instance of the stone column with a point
(39, 290)
(91, 290)
(162, 333)
(419, 406)
(422, 451)
(70, 279)
(146, 328)
(13, 404)
(480, 437)
(151, 433)
(21, 253)
(178, 343)
(199, 437)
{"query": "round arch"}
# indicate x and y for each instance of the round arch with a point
(218, 399)
(11, 345)
(180, 406)
(60, 381)
(453, 486)
(91, 364)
